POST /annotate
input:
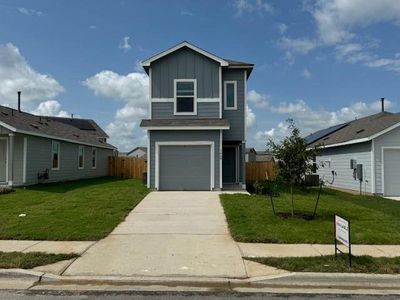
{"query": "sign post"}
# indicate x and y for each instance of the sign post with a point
(342, 234)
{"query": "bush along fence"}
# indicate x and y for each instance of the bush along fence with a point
(126, 167)
(259, 171)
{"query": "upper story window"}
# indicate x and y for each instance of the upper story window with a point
(230, 95)
(81, 156)
(55, 155)
(185, 97)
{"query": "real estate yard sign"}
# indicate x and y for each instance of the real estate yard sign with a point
(342, 234)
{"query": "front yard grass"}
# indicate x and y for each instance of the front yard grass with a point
(76, 210)
(10, 260)
(374, 220)
(360, 264)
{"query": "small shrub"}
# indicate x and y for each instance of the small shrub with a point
(5, 189)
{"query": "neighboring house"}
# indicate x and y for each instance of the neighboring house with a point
(37, 149)
(361, 153)
(264, 156)
(250, 155)
(196, 128)
(138, 152)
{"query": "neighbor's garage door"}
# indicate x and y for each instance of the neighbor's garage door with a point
(184, 168)
(392, 172)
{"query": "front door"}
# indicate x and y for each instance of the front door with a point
(3, 160)
(229, 165)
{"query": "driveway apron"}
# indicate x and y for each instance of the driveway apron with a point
(167, 234)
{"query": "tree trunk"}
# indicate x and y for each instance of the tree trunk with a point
(291, 193)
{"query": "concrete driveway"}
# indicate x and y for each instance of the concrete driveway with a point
(167, 234)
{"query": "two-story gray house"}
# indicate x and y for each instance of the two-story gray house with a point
(197, 125)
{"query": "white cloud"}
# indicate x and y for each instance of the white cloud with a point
(335, 19)
(124, 44)
(282, 28)
(133, 90)
(250, 6)
(259, 100)
(186, 13)
(306, 73)
(50, 108)
(92, 27)
(17, 75)
(298, 45)
(290, 108)
(250, 118)
(30, 12)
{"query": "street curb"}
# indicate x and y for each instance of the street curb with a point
(20, 274)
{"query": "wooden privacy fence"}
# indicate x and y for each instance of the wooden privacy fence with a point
(257, 171)
(126, 167)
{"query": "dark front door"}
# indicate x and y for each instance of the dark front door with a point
(229, 165)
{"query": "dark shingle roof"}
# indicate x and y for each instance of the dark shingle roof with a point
(185, 123)
(48, 127)
(83, 124)
(359, 129)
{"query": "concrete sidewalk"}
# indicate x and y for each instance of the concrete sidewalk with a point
(56, 247)
(299, 250)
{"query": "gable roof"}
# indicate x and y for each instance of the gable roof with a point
(144, 149)
(356, 131)
(48, 127)
(222, 61)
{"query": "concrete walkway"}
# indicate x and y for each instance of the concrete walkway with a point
(298, 250)
(167, 234)
(56, 247)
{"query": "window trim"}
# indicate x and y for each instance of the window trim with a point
(194, 97)
(95, 158)
(83, 156)
(58, 155)
(234, 94)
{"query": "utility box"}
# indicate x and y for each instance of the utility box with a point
(359, 172)
(353, 164)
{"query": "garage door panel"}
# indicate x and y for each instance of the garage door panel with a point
(392, 172)
(184, 168)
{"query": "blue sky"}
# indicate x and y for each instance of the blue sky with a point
(318, 62)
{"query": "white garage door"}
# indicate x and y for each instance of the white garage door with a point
(392, 172)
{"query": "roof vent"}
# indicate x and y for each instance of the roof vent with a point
(359, 131)
(383, 104)
(4, 113)
(35, 126)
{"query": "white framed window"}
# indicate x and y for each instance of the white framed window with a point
(230, 95)
(185, 97)
(55, 155)
(94, 158)
(81, 157)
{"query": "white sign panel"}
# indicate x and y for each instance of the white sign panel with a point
(342, 231)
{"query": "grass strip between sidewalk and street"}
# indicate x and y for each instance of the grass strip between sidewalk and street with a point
(29, 260)
(332, 264)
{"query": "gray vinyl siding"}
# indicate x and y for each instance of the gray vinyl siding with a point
(236, 117)
(390, 139)
(185, 64)
(338, 159)
(165, 110)
(18, 159)
(184, 135)
(39, 159)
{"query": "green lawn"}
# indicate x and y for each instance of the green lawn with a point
(374, 220)
(329, 263)
(10, 260)
(76, 210)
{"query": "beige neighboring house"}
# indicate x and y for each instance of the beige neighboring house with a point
(264, 156)
(138, 152)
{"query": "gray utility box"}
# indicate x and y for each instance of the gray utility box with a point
(360, 172)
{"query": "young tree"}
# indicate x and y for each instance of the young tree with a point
(294, 156)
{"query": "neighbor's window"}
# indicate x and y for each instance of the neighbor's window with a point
(94, 158)
(185, 96)
(55, 155)
(230, 95)
(81, 156)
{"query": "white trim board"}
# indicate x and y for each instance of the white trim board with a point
(148, 61)
(199, 100)
(184, 143)
(25, 159)
(186, 127)
(6, 139)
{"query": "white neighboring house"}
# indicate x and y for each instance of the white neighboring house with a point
(139, 152)
(361, 154)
